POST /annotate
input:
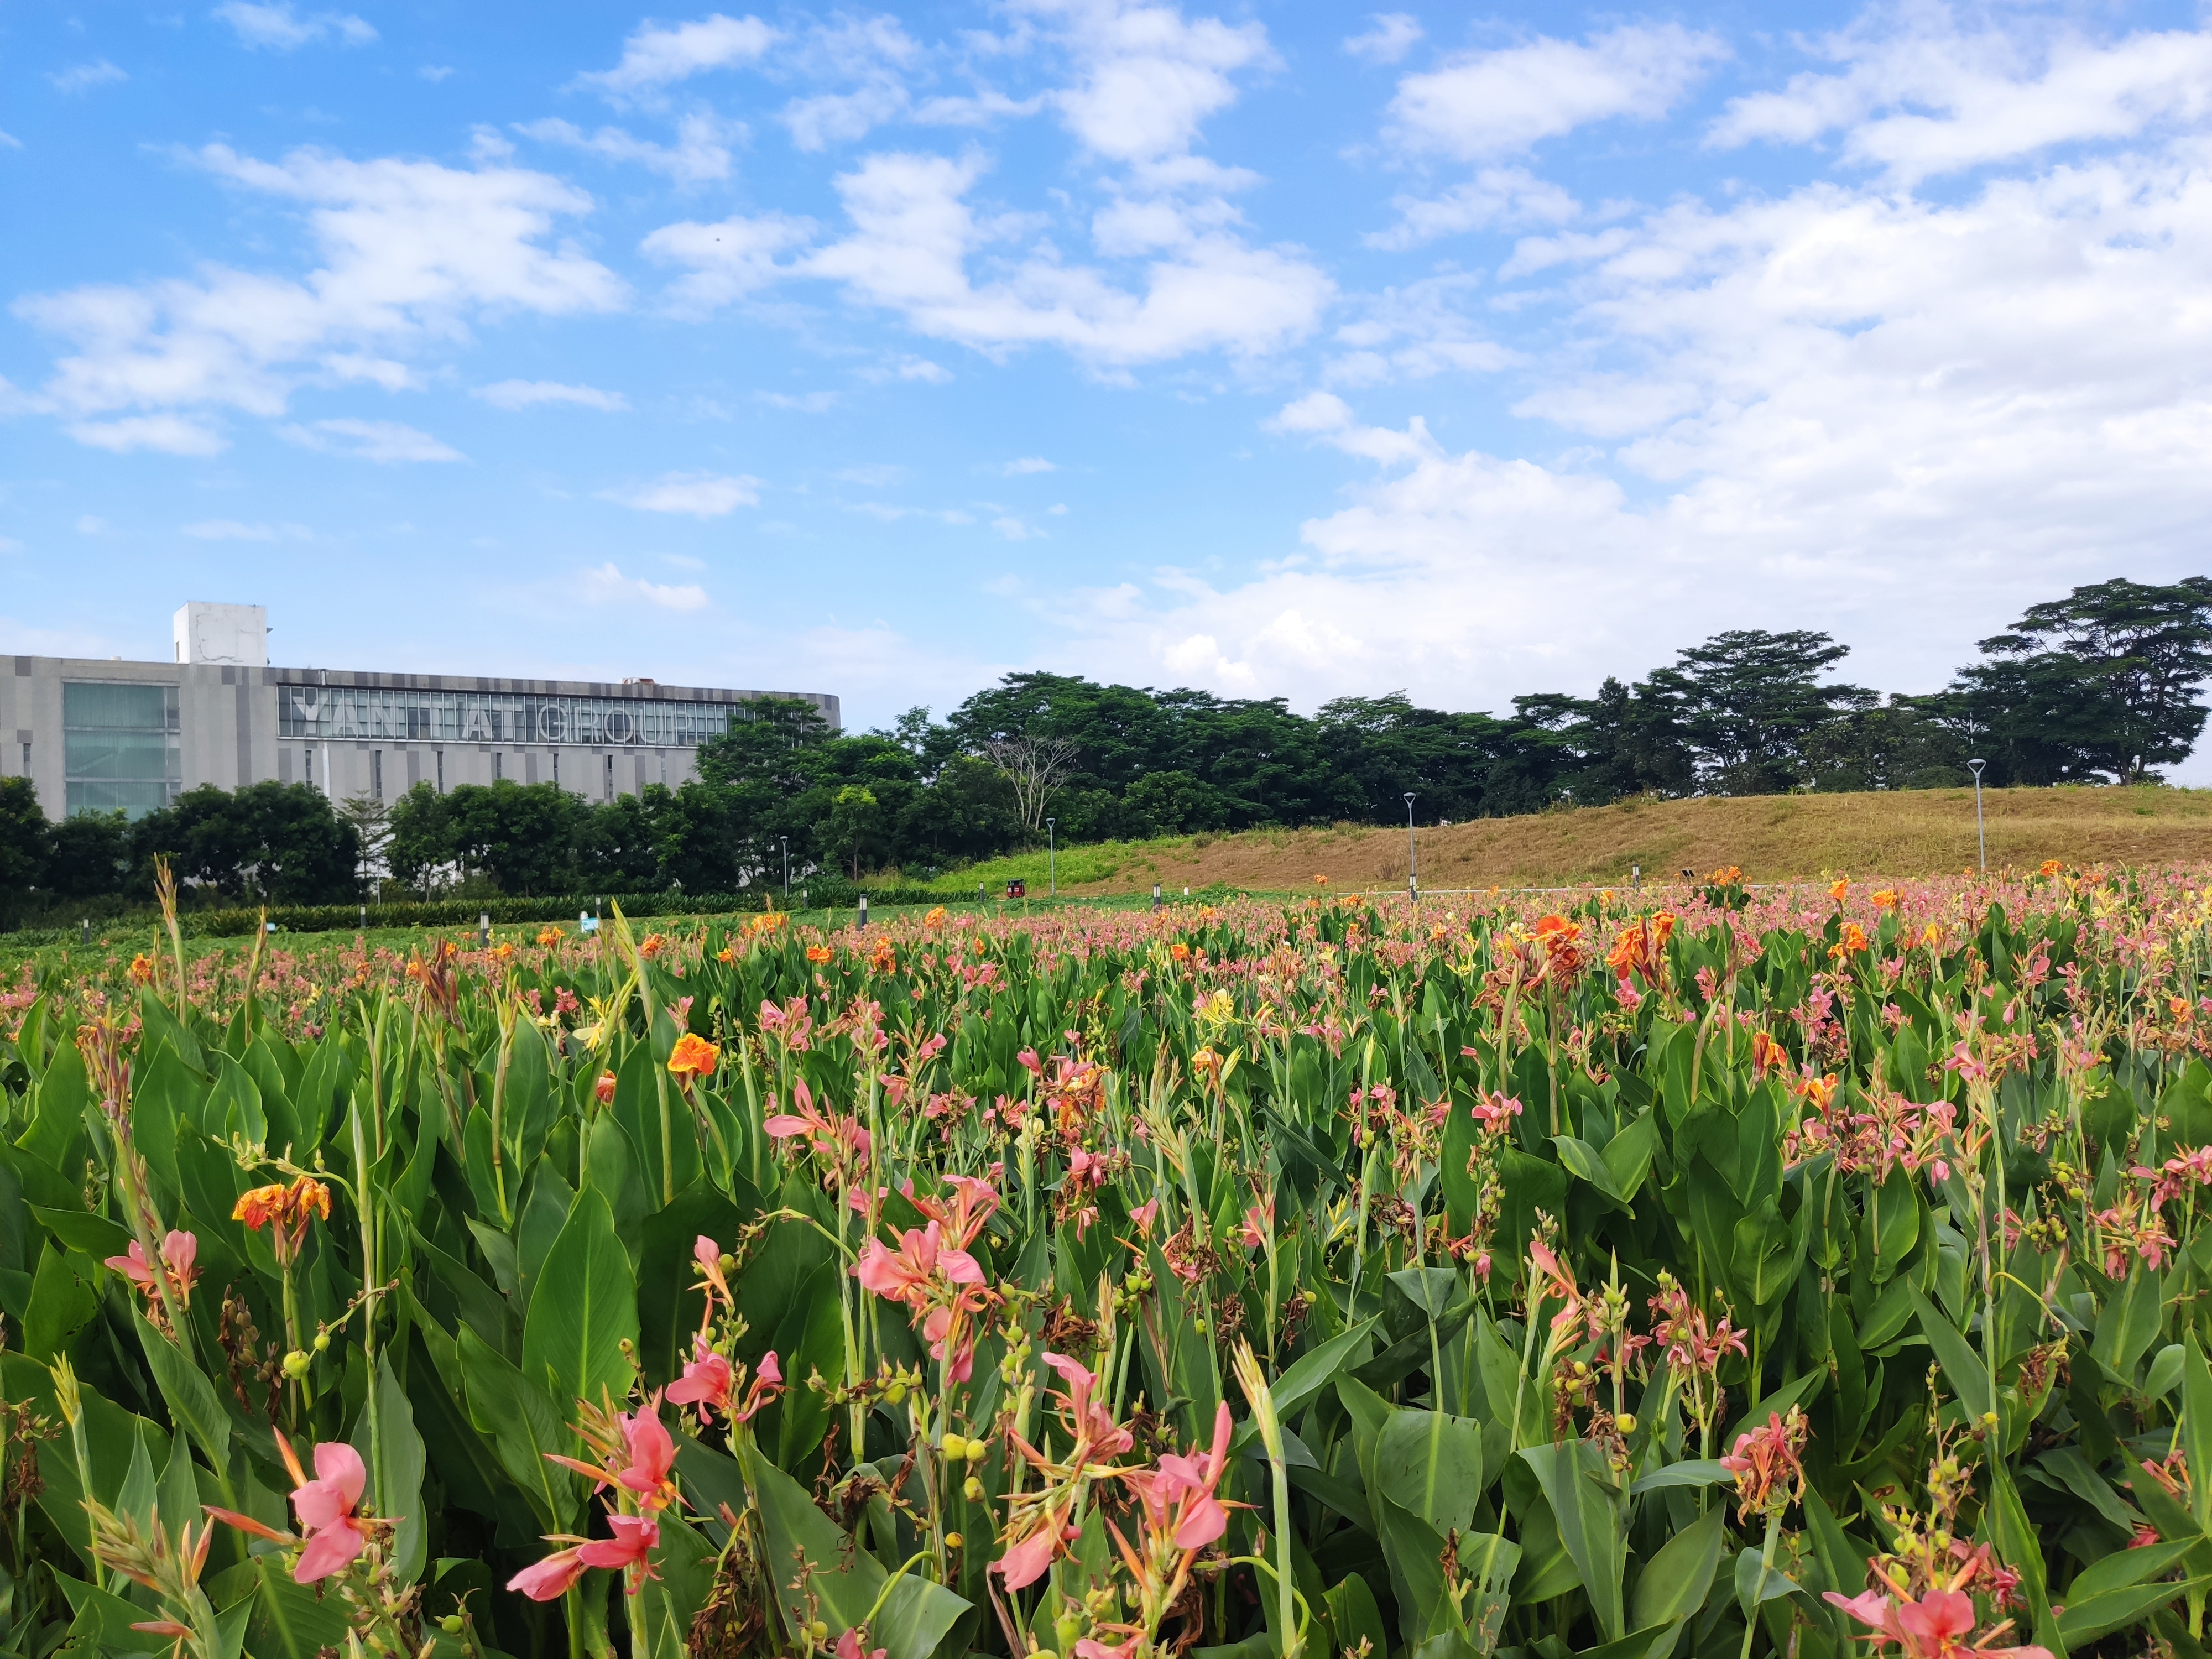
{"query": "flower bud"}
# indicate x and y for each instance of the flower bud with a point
(896, 1394)
(819, 1630)
(973, 1490)
(956, 1448)
(953, 1541)
(450, 1624)
(322, 1341)
(1625, 1422)
(296, 1365)
(978, 1451)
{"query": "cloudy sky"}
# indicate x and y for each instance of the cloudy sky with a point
(1273, 349)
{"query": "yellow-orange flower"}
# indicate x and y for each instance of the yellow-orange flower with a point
(820, 953)
(548, 936)
(1320, 881)
(881, 959)
(1839, 888)
(1179, 950)
(653, 945)
(726, 954)
(2051, 867)
(1885, 898)
(284, 1210)
(261, 1206)
(1727, 877)
(1851, 942)
(935, 918)
(694, 1056)
(142, 968)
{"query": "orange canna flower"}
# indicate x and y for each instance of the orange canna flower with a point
(653, 946)
(819, 954)
(605, 1088)
(1320, 881)
(2051, 867)
(1839, 888)
(285, 1211)
(548, 936)
(1885, 898)
(694, 1056)
(726, 954)
(1767, 1056)
(1179, 950)
(935, 918)
(142, 968)
(1851, 942)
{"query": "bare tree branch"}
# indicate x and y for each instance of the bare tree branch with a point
(1036, 767)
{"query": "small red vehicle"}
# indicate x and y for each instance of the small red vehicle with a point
(1017, 889)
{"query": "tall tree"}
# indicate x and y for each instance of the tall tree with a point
(2104, 683)
(24, 844)
(1750, 700)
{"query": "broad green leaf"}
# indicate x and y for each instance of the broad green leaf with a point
(1429, 1464)
(1587, 1163)
(1757, 1583)
(2084, 1621)
(1353, 1617)
(1676, 1581)
(2129, 1323)
(60, 1306)
(1963, 1369)
(845, 1581)
(572, 1340)
(1578, 1483)
(291, 1620)
(1653, 1642)
(523, 1423)
(190, 1396)
(103, 1622)
(1690, 1472)
(2197, 1428)
(396, 1465)
(1312, 1372)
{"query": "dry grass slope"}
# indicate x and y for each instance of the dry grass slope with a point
(1773, 838)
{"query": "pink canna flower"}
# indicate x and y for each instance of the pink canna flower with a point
(550, 1579)
(628, 1551)
(906, 1274)
(1094, 1423)
(706, 1379)
(849, 1647)
(1178, 1497)
(652, 1455)
(1024, 1562)
(180, 1258)
(325, 1508)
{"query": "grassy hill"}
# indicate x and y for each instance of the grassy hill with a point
(1773, 837)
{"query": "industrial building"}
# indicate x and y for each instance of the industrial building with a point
(104, 736)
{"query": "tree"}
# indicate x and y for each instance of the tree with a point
(1749, 700)
(25, 842)
(523, 835)
(968, 811)
(371, 819)
(88, 856)
(2103, 683)
(1036, 767)
(853, 832)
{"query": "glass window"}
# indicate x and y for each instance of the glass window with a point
(119, 747)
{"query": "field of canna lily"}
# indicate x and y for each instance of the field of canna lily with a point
(1699, 1273)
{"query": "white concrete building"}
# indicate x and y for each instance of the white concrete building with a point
(96, 736)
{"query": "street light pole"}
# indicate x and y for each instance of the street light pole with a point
(1413, 875)
(785, 840)
(1981, 835)
(1052, 858)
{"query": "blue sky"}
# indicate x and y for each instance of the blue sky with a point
(1278, 350)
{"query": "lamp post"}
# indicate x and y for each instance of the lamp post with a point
(1051, 859)
(1981, 835)
(1412, 876)
(785, 840)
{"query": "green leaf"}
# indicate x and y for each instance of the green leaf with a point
(1587, 1164)
(1676, 1581)
(80, 1230)
(2123, 1569)
(2197, 1428)
(1757, 1583)
(192, 1397)
(2084, 1621)
(1429, 1464)
(1628, 1154)
(1577, 1481)
(1312, 1371)
(1413, 1550)
(1653, 1641)
(845, 1581)
(572, 1338)
(289, 1620)
(61, 1305)
(523, 1423)
(396, 1463)
(1353, 1617)
(1690, 1472)
(1963, 1369)
(1893, 1211)
(103, 1622)
(2129, 1323)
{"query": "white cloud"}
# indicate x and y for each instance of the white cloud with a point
(83, 77)
(1416, 331)
(90, 525)
(385, 442)
(1482, 104)
(1014, 530)
(434, 73)
(168, 435)
(1148, 76)
(802, 403)
(281, 28)
(1390, 37)
(1929, 98)
(875, 476)
(872, 53)
(1027, 466)
(920, 369)
(9, 544)
(728, 259)
(231, 530)
(701, 152)
(607, 584)
(912, 234)
(411, 251)
(1325, 415)
(656, 55)
(527, 394)
(1496, 198)
(701, 495)
(9, 140)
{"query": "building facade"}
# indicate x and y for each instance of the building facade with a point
(106, 736)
